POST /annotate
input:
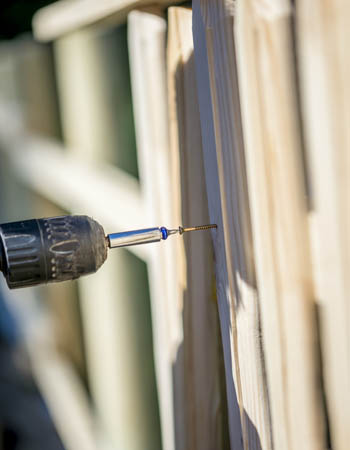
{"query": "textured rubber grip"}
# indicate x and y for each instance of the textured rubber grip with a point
(49, 250)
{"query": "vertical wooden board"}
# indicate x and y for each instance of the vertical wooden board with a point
(147, 44)
(204, 415)
(210, 165)
(279, 217)
(324, 72)
(215, 54)
(263, 238)
(114, 306)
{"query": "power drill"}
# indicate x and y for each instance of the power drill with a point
(64, 248)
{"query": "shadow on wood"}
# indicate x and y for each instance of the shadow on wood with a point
(224, 157)
(200, 408)
(200, 395)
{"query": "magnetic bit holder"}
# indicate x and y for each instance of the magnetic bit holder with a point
(148, 235)
(64, 248)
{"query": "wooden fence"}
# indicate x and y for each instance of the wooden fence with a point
(241, 112)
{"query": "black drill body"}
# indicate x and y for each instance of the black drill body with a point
(65, 248)
(49, 250)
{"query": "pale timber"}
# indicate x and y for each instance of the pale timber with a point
(279, 216)
(324, 71)
(201, 421)
(66, 16)
(147, 43)
(229, 207)
(114, 307)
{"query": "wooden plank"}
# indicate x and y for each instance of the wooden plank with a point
(146, 41)
(213, 190)
(115, 309)
(237, 296)
(324, 71)
(202, 408)
(66, 16)
(279, 217)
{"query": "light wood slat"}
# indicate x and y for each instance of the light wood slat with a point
(146, 41)
(324, 70)
(201, 407)
(48, 168)
(116, 321)
(213, 24)
(66, 16)
(279, 216)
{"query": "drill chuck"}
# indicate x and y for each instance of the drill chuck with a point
(65, 248)
(48, 250)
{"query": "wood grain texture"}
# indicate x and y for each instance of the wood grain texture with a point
(324, 71)
(65, 16)
(229, 206)
(202, 410)
(279, 217)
